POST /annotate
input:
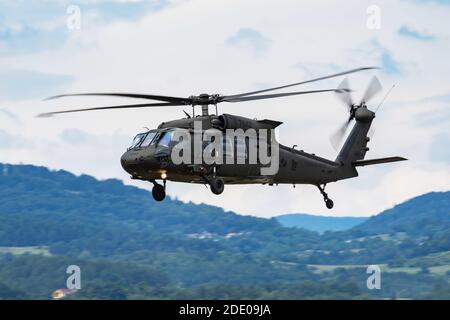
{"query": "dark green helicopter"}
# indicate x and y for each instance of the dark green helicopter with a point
(150, 157)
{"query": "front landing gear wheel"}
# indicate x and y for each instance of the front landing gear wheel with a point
(217, 185)
(329, 203)
(158, 192)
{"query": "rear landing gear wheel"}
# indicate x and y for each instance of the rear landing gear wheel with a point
(328, 202)
(217, 185)
(158, 192)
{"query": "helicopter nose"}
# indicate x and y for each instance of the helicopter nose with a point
(125, 161)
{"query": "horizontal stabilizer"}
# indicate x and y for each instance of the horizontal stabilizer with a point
(362, 163)
(271, 123)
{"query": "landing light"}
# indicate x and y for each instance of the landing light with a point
(164, 176)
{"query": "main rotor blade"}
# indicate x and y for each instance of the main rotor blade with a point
(303, 82)
(127, 95)
(276, 95)
(128, 106)
(344, 94)
(337, 137)
(372, 90)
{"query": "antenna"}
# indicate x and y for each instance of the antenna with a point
(187, 114)
(385, 97)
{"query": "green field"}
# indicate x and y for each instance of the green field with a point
(436, 270)
(320, 268)
(440, 270)
(41, 250)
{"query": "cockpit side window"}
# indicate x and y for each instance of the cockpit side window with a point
(165, 139)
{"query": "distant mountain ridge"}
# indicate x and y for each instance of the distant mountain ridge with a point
(412, 216)
(319, 223)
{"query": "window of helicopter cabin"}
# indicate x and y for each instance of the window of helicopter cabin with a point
(166, 138)
(137, 140)
(209, 140)
(228, 147)
(149, 139)
(241, 148)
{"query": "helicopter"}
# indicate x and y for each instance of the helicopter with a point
(151, 154)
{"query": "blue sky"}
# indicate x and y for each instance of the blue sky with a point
(406, 31)
(27, 26)
(440, 2)
(188, 47)
(250, 38)
(32, 84)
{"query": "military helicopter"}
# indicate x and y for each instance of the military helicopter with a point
(149, 157)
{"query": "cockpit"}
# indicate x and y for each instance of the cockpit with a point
(152, 137)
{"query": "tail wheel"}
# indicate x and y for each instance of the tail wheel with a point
(217, 185)
(158, 192)
(329, 203)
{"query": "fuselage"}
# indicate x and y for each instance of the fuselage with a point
(150, 156)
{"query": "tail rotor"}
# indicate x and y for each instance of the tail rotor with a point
(372, 90)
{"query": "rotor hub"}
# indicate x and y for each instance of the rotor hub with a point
(205, 99)
(363, 114)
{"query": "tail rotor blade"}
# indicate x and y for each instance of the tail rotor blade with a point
(372, 90)
(343, 93)
(337, 137)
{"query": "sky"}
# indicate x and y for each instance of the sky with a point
(187, 47)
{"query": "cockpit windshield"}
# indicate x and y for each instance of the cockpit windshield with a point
(149, 139)
(137, 140)
(162, 138)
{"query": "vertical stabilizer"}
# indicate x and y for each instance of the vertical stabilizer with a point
(355, 147)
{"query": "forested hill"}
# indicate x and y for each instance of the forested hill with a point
(132, 247)
(61, 200)
(421, 216)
